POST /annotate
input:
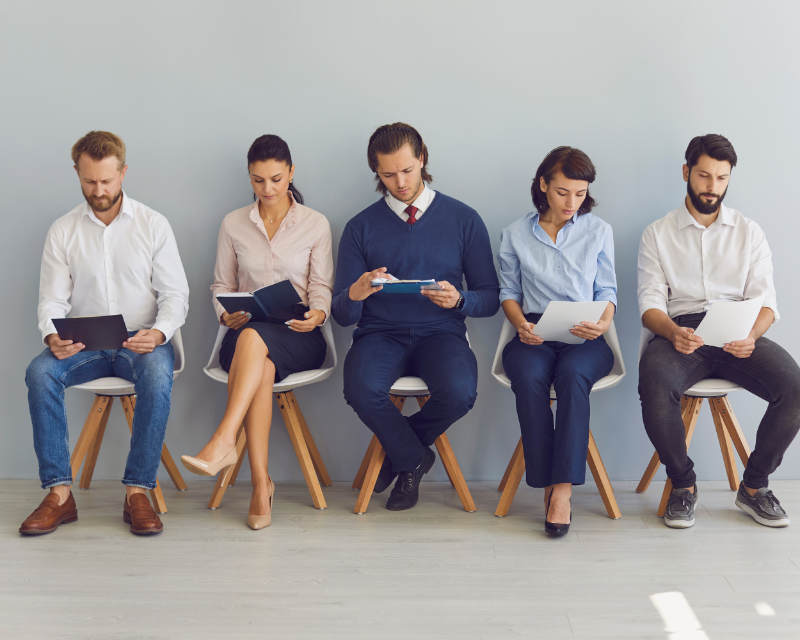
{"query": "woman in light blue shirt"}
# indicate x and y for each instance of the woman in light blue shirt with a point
(561, 251)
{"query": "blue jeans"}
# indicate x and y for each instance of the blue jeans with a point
(47, 378)
(555, 455)
(377, 359)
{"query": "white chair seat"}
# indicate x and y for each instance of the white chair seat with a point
(409, 386)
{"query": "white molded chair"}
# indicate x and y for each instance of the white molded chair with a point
(105, 390)
(515, 469)
(308, 455)
(405, 387)
(729, 433)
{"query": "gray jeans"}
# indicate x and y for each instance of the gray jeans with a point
(769, 373)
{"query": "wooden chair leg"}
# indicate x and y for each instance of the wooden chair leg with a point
(454, 472)
(316, 458)
(301, 449)
(691, 414)
(224, 478)
(370, 476)
(172, 469)
(237, 467)
(91, 459)
(725, 444)
(601, 479)
(655, 461)
(734, 430)
(510, 484)
(362, 470)
(129, 407)
(99, 408)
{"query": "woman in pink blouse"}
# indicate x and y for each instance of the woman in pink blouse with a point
(274, 239)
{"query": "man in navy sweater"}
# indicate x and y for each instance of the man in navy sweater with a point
(413, 233)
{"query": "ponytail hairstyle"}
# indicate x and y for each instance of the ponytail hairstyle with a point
(574, 164)
(271, 147)
(390, 138)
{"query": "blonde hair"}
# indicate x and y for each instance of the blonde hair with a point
(99, 145)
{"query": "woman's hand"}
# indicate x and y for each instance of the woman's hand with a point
(526, 335)
(591, 330)
(235, 320)
(314, 318)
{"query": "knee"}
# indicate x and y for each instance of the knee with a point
(40, 371)
(249, 339)
(572, 381)
(155, 370)
(364, 394)
(458, 398)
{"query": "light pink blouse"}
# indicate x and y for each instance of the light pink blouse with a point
(300, 251)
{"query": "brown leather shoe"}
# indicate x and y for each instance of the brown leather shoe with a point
(49, 515)
(140, 515)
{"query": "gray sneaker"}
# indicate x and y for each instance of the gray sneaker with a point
(680, 509)
(763, 506)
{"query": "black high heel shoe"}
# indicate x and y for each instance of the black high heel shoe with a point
(554, 528)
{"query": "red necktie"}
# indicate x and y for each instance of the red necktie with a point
(411, 210)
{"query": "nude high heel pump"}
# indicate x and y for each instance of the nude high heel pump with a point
(259, 522)
(203, 468)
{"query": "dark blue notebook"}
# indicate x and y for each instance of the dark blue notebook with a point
(262, 302)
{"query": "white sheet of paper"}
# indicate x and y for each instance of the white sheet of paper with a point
(727, 321)
(560, 317)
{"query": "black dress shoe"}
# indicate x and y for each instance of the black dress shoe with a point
(385, 476)
(554, 528)
(406, 490)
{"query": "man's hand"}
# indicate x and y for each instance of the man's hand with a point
(315, 317)
(62, 349)
(685, 341)
(741, 348)
(447, 298)
(526, 335)
(144, 341)
(590, 330)
(362, 288)
(235, 320)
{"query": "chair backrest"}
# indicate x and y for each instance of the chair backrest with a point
(508, 332)
(645, 336)
(180, 356)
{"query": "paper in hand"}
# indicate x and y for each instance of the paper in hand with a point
(727, 321)
(561, 316)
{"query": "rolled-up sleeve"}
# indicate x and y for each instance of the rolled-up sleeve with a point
(510, 270)
(320, 274)
(653, 288)
(605, 282)
(759, 276)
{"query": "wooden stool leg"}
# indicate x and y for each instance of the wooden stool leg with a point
(421, 400)
(370, 477)
(301, 449)
(601, 479)
(734, 430)
(725, 444)
(88, 433)
(362, 470)
(91, 459)
(514, 472)
(237, 467)
(655, 461)
(454, 472)
(224, 478)
(129, 407)
(691, 414)
(316, 458)
(172, 469)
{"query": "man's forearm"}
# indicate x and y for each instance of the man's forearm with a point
(764, 321)
(659, 323)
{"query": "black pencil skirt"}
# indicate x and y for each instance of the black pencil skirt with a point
(290, 351)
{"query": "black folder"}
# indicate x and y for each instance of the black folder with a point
(263, 302)
(97, 333)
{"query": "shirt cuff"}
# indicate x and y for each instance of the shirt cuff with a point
(49, 328)
(510, 295)
(645, 304)
(167, 330)
(771, 303)
(607, 296)
(320, 306)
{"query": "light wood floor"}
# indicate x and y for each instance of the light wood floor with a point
(432, 572)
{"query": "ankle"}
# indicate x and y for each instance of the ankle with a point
(62, 491)
(132, 491)
(750, 491)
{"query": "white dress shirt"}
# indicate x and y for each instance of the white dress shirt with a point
(130, 267)
(422, 202)
(684, 267)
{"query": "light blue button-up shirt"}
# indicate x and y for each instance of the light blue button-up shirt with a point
(578, 267)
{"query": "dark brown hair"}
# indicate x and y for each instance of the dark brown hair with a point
(99, 145)
(390, 138)
(574, 164)
(713, 145)
(272, 147)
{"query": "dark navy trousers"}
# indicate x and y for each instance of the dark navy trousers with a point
(555, 455)
(378, 358)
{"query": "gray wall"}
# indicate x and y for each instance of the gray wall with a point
(491, 86)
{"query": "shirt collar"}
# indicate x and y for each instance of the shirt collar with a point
(685, 219)
(534, 217)
(125, 208)
(422, 201)
(291, 214)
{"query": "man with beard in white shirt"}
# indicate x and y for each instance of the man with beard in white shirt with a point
(111, 255)
(700, 253)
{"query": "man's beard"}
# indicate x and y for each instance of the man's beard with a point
(702, 206)
(101, 205)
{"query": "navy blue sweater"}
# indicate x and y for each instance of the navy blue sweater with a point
(449, 242)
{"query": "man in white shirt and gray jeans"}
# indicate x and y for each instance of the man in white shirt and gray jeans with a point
(700, 253)
(110, 255)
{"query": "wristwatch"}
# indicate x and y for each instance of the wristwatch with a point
(460, 304)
